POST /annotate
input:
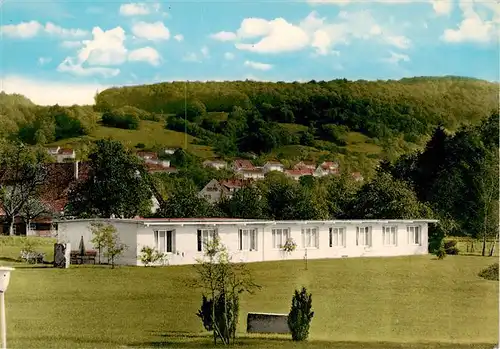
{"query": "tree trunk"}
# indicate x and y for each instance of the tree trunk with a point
(483, 250)
(28, 224)
(492, 250)
(11, 227)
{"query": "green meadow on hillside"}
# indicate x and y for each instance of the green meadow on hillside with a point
(401, 302)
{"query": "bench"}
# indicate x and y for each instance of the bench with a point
(77, 258)
(267, 323)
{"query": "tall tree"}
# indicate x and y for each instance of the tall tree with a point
(184, 202)
(248, 202)
(117, 185)
(387, 198)
(22, 173)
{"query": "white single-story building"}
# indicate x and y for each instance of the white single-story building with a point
(183, 240)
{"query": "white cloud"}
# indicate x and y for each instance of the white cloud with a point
(138, 9)
(277, 35)
(224, 36)
(258, 66)
(399, 41)
(395, 58)
(105, 49)
(68, 66)
(71, 44)
(472, 28)
(441, 7)
(25, 30)
(179, 37)
(44, 60)
(151, 31)
(49, 92)
(145, 54)
(229, 56)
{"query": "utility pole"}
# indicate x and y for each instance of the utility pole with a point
(185, 115)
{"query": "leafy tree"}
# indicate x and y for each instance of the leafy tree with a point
(117, 185)
(184, 202)
(112, 244)
(248, 202)
(301, 314)
(22, 174)
(222, 282)
(387, 198)
(32, 209)
(100, 236)
(121, 119)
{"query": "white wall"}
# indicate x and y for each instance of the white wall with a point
(135, 234)
(72, 231)
(186, 242)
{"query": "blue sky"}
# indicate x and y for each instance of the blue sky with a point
(63, 51)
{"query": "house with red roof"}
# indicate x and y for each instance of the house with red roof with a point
(296, 174)
(327, 168)
(62, 154)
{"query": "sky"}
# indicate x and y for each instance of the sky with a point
(65, 51)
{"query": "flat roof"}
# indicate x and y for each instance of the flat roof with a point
(233, 221)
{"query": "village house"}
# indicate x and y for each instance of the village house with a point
(183, 241)
(273, 166)
(296, 174)
(327, 168)
(246, 170)
(62, 154)
(215, 190)
(217, 164)
(154, 164)
(305, 165)
(169, 151)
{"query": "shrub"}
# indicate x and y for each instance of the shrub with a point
(490, 273)
(140, 145)
(450, 247)
(440, 252)
(150, 256)
(300, 316)
(120, 119)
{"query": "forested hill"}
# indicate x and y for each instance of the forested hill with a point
(356, 122)
(411, 106)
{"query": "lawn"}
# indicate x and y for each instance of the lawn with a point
(402, 302)
(150, 133)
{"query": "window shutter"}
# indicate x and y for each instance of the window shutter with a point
(316, 238)
(199, 240)
(240, 238)
(330, 238)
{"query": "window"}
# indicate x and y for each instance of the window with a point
(337, 237)
(414, 233)
(363, 236)
(279, 237)
(310, 237)
(205, 236)
(164, 241)
(389, 236)
(33, 226)
(247, 240)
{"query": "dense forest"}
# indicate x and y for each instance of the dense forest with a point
(241, 117)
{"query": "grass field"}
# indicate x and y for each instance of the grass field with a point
(402, 302)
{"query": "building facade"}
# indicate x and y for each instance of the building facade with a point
(183, 240)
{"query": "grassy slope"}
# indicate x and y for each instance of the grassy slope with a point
(369, 303)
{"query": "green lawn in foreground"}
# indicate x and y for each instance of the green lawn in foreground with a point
(384, 303)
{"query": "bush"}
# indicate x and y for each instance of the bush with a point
(120, 119)
(440, 252)
(300, 316)
(490, 273)
(150, 256)
(450, 247)
(140, 145)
